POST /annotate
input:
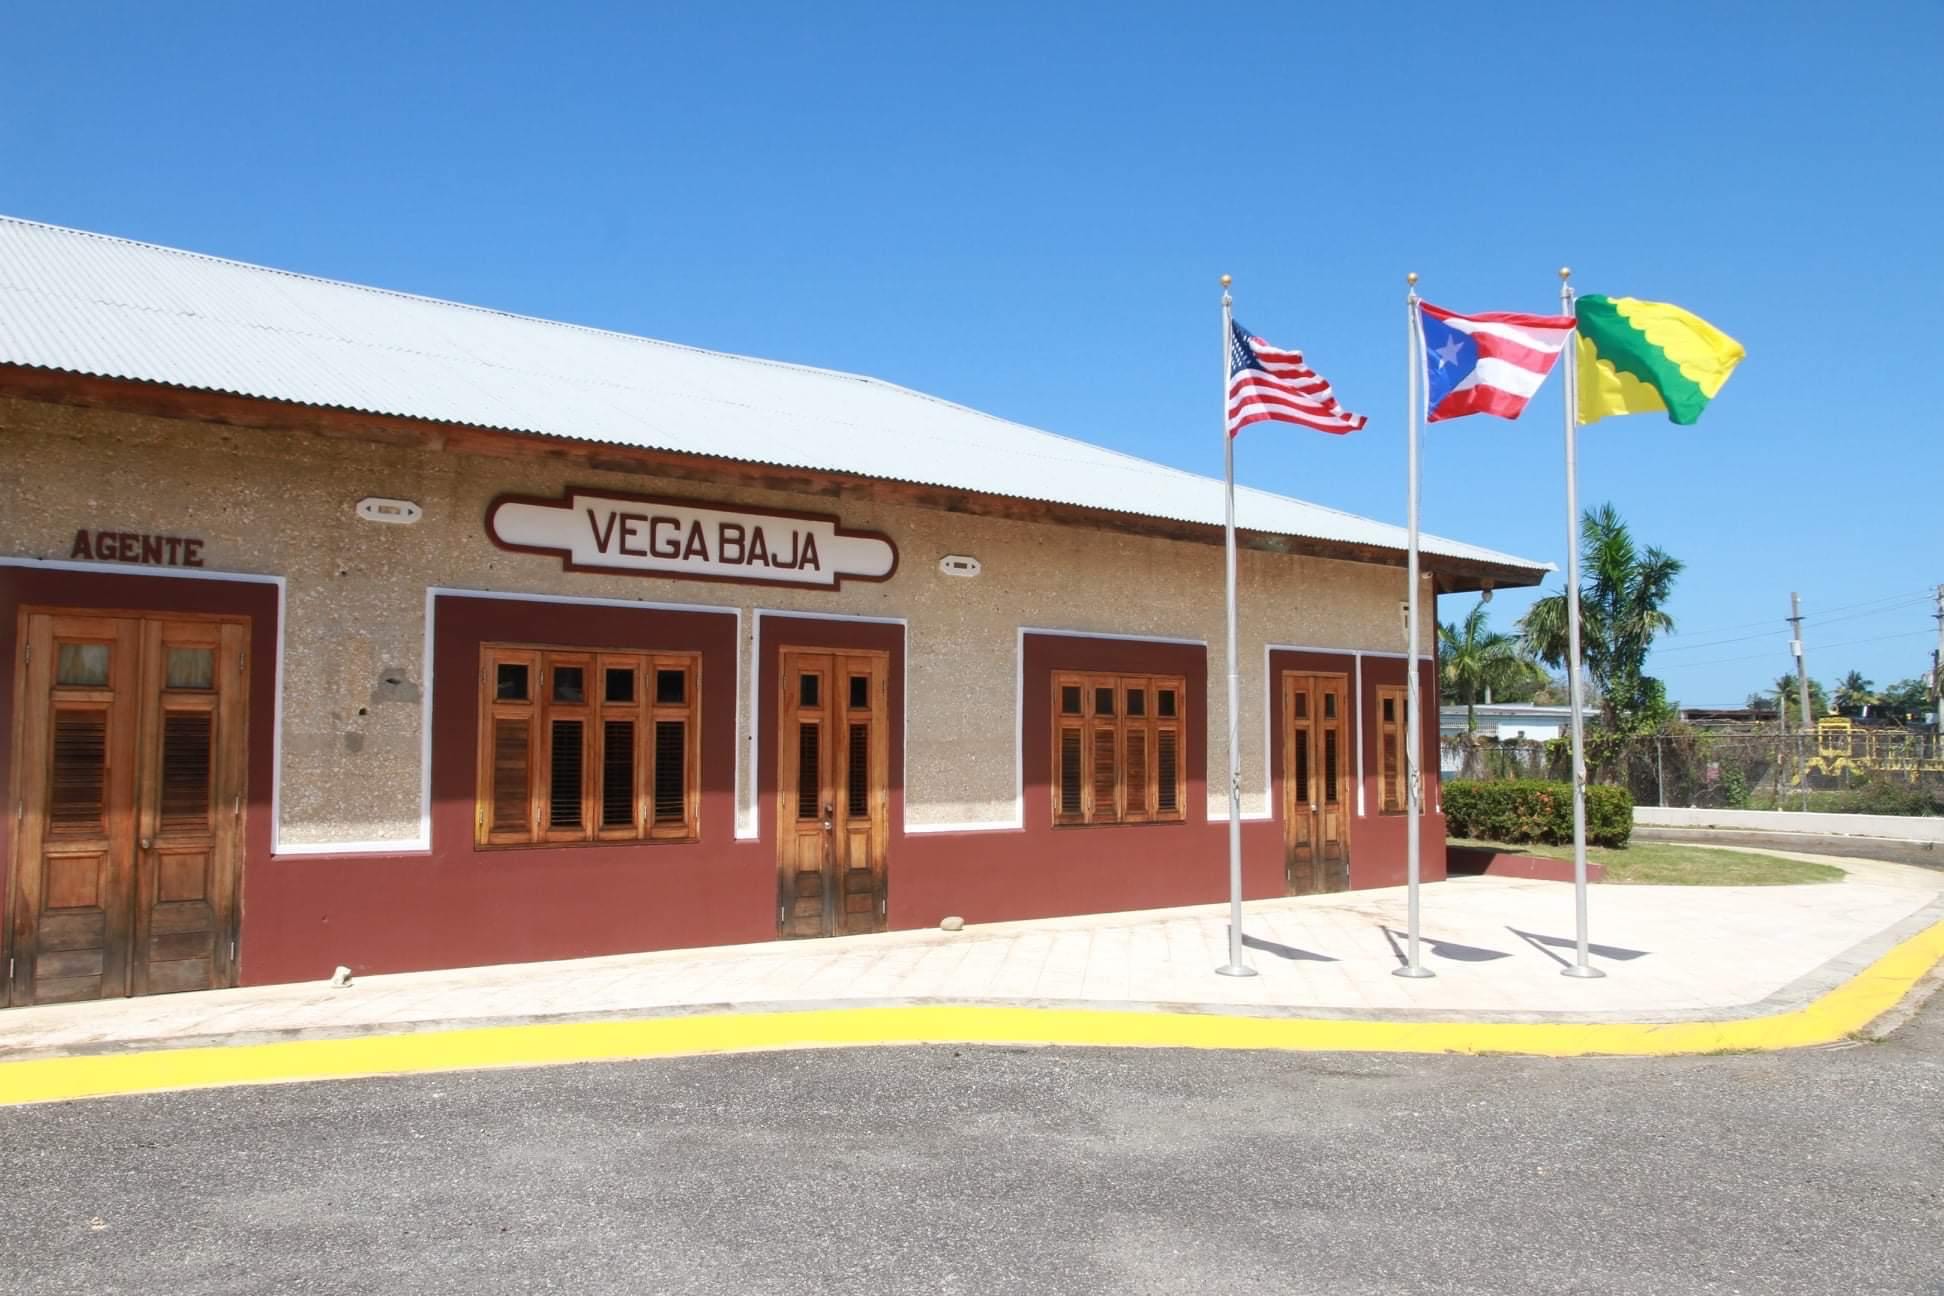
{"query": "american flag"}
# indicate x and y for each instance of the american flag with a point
(1269, 383)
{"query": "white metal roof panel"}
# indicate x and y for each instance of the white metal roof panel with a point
(88, 303)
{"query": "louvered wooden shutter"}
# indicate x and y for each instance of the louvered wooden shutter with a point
(185, 771)
(77, 790)
(671, 772)
(1071, 805)
(565, 779)
(1135, 806)
(1105, 806)
(809, 770)
(582, 746)
(1390, 736)
(617, 773)
(1167, 773)
(858, 771)
(512, 783)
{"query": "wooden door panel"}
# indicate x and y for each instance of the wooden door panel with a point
(1315, 782)
(178, 927)
(75, 772)
(832, 792)
(72, 930)
(1333, 785)
(805, 902)
(862, 809)
(182, 875)
(130, 762)
(74, 881)
(192, 799)
(803, 791)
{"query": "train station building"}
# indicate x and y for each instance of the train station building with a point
(344, 626)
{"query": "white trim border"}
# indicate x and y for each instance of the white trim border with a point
(1019, 711)
(421, 842)
(277, 685)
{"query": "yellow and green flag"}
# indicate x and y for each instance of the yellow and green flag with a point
(1639, 357)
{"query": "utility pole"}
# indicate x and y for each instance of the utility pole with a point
(1937, 678)
(1802, 669)
(1803, 725)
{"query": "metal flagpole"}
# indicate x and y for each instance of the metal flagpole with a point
(1581, 967)
(1235, 967)
(1413, 783)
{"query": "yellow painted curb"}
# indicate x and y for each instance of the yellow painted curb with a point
(1832, 1017)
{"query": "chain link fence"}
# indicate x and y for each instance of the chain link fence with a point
(1839, 768)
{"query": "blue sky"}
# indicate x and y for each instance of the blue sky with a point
(1025, 208)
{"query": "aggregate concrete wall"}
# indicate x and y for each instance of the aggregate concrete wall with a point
(354, 658)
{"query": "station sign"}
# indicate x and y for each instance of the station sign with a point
(141, 547)
(597, 531)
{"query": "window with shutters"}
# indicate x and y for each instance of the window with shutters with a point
(1390, 749)
(1117, 749)
(587, 746)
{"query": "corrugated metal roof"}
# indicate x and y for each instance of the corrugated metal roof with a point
(92, 304)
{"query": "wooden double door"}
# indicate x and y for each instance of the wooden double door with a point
(1317, 768)
(129, 762)
(833, 804)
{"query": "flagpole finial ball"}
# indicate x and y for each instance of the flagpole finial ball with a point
(1411, 278)
(1565, 272)
(1226, 281)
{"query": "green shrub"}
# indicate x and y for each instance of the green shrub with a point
(1528, 810)
(1884, 797)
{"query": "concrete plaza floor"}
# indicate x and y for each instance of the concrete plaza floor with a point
(1497, 946)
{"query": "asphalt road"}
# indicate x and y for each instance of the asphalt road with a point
(987, 1170)
(1929, 855)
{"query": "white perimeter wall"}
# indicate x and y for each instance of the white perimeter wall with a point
(1892, 827)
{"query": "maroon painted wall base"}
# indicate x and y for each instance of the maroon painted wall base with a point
(422, 911)
(1476, 860)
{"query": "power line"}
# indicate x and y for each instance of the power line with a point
(1883, 598)
(1847, 643)
(1920, 595)
(1863, 616)
(1717, 643)
(1905, 604)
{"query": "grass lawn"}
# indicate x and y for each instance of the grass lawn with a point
(1675, 864)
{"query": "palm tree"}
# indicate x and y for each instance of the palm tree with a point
(1786, 688)
(1622, 593)
(1473, 660)
(1854, 695)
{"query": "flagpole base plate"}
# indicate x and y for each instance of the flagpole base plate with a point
(1235, 970)
(1419, 973)
(1579, 973)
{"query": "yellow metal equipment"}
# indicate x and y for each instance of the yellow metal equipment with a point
(1845, 747)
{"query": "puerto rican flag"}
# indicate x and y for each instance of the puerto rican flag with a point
(1486, 364)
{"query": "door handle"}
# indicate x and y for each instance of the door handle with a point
(148, 843)
(829, 810)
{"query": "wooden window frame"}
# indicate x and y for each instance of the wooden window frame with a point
(1109, 733)
(1393, 794)
(539, 710)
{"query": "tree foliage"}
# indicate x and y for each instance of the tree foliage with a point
(1785, 688)
(1476, 662)
(1623, 595)
(1854, 694)
(1905, 701)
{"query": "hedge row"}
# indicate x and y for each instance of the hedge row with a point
(1528, 810)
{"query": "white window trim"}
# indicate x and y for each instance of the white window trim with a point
(421, 842)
